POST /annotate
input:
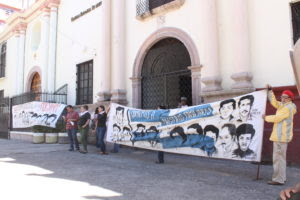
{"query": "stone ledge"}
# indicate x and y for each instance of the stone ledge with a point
(224, 94)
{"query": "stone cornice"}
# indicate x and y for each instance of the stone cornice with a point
(18, 21)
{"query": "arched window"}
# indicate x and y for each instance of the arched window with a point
(35, 86)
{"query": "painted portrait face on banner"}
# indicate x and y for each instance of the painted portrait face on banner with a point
(226, 109)
(245, 105)
(244, 141)
(212, 135)
(120, 115)
(227, 137)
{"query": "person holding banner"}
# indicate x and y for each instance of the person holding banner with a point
(101, 129)
(71, 126)
(83, 124)
(282, 132)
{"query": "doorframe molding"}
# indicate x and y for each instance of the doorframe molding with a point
(166, 32)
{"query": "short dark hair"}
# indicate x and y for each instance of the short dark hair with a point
(85, 107)
(126, 128)
(152, 129)
(162, 107)
(211, 128)
(250, 97)
(69, 106)
(119, 108)
(115, 125)
(226, 102)
(231, 128)
(103, 108)
(140, 125)
(197, 127)
(245, 129)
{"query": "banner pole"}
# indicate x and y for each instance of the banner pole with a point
(258, 172)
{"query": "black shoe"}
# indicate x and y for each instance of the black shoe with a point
(112, 151)
(71, 149)
(159, 162)
(77, 149)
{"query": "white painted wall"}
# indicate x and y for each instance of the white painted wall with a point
(77, 42)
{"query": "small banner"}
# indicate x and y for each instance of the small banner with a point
(36, 113)
(229, 129)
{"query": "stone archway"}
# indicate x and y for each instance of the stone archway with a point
(163, 33)
(34, 73)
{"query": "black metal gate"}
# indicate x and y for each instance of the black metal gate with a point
(165, 77)
(4, 118)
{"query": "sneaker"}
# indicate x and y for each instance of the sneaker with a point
(103, 153)
(158, 162)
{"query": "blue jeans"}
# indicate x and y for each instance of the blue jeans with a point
(100, 135)
(72, 133)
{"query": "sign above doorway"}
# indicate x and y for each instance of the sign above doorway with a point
(86, 11)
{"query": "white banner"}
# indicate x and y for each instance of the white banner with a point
(36, 113)
(229, 129)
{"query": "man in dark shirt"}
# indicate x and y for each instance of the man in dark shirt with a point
(83, 125)
(71, 126)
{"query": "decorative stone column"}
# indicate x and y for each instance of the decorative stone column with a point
(196, 84)
(240, 44)
(105, 48)
(210, 62)
(45, 47)
(19, 31)
(52, 46)
(118, 53)
(136, 92)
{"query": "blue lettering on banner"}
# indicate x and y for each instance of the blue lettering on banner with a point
(189, 114)
(164, 117)
(147, 115)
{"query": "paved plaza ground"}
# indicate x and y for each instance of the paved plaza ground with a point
(44, 171)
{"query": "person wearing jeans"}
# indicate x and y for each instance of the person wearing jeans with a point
(101, 129)
(71, 127)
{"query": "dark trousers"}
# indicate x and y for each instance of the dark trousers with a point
(83, 137)
(160, 156)
(100, 135)
(72, 133)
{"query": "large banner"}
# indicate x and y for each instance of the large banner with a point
(36, 113)
(229, 129)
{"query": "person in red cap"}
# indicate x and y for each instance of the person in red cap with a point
(282, 132)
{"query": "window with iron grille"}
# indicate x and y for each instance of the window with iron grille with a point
(84, 83)
(295, 8)
(2, 59)
(156, 3)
